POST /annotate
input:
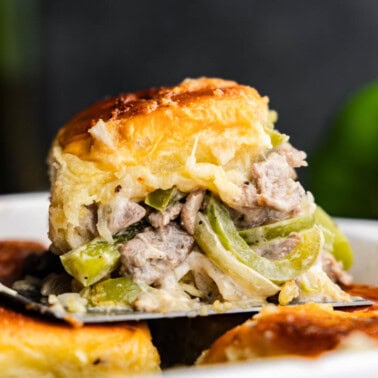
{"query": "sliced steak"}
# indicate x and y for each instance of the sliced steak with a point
(294, 157)
(275, 185)
(162, 218)
(245, 218)
(272, 194)
(86, 230)
(334, 269)
(153, 253)
(278, 250)
(88, 219)
(122, 213)
(190, 209)
(248, 212)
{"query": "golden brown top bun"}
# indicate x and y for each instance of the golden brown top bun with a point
(139, 123)
(201, 133)
(33, 348)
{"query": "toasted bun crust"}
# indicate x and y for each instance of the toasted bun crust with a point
(140, 123)
(304, 330)
(34, 348)
(12, 256)
(202, 133)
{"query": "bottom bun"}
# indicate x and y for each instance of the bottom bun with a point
(30, 347)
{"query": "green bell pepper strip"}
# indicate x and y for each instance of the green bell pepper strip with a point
(95, 260)
(341, 248)
(296, 262)
(160, 199)
(252, 282)
(91, 262)
(121, 291)
(329, 238)
(130, 232)
(279, 229)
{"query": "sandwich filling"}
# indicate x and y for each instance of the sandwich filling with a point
(178, 250)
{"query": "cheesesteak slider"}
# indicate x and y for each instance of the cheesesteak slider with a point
(186, 197)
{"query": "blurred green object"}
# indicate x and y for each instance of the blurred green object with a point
(339, 245)
(344, 170)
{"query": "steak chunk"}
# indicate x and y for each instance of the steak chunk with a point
(190, 209)
(162, 218)
(123, 213)
(153, 253)
(275, 185)
(278, 250)
(272, 194)
(294, 157)
(334, 269)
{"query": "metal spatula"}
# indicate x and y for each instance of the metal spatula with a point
(117, 315)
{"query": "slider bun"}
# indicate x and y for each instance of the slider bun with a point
(12, 257)
(303, 330)
(34, 348)
(201, 133)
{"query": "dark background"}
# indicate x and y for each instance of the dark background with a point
(59, 56)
